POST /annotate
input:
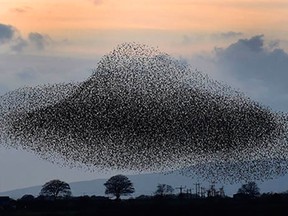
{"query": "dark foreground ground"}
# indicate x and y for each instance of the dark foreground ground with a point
(273, 205)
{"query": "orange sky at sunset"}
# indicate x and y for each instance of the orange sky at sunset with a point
(57, 17)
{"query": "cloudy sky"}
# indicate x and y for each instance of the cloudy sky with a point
(241, 42)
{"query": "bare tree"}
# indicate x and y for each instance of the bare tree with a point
(56, 188)
(164, 189)
(119, 185)
(250, 189)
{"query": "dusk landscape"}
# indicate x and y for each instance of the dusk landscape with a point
(171, 104)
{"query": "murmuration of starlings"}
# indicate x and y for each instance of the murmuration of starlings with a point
(143, 110)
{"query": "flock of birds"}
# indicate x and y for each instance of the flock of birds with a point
(143, 110)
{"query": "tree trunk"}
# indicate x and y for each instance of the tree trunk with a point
(118, 197)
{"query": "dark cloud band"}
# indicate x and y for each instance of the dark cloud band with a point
(6, 33)
(253, 60)
(11, 36)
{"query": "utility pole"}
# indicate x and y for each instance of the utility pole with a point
(181, 189)
(189, 193)
(197, 189)
(221, 192)
(212, 190)
(203, 192)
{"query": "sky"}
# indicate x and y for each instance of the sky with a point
(243, 43)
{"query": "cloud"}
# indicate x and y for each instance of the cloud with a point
(20, 10)
(40, 41)
(227, 35)
(19, 44)
(256, 66)
(274, 44)
(97, 2)
(13, 39)
(249, 58)
(7, 33)
(252, 45)
(193, 38)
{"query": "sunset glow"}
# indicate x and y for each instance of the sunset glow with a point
(63, 16)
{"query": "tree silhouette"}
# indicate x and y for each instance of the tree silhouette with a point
(27, 197)
(164, 189)
(119, 185)
(56, 188)
(250, 189)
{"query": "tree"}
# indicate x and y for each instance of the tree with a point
(164, 189)
(27, 197)
(250, 189)
(55, 189)
(119, 185)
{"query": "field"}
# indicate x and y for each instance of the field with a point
(270, 205)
